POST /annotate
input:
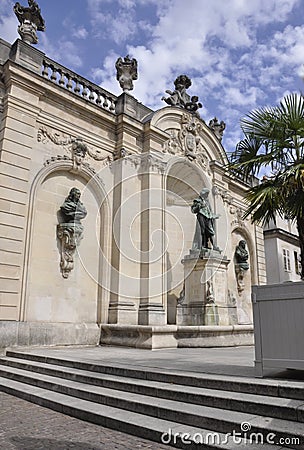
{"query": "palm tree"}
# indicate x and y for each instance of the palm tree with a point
(274, 139)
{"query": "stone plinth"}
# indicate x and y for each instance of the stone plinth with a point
(206, 290)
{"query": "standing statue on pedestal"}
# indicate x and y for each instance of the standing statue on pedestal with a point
(70, 231)
(179, 97)
(126, 72)
(201, 207)
(30, 21)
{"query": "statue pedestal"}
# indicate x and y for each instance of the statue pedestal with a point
(206, 299)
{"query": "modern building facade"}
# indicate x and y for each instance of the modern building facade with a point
(282, 252)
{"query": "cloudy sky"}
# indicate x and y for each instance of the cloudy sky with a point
(240, 54)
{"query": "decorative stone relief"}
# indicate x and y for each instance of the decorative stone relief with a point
(238, 212)
(179, 97)
(149, 162)
(126, 72)
(75, 145)
(224, 193)
(187, 141)
(30, 21)
(217, 127)
(241, 264)
(70, 231)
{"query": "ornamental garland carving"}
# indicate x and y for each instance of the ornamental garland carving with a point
(75, 145)
(187, 141)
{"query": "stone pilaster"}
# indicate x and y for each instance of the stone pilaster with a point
(152, 307)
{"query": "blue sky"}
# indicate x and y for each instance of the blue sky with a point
(240, 54)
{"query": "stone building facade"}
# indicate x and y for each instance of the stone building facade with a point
(135, 276)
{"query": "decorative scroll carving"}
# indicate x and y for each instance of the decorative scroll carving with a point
(75, 145)
(238, 212)
(224, 193)
(126, 72)
(30, 20)
(70, 231)
(187, 141)
(149, 162)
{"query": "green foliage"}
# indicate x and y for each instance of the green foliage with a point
(273, 138)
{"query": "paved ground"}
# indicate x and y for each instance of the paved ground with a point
(26, 426)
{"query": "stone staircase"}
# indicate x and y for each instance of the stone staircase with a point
(184, 410)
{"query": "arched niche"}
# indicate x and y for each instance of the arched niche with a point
(184, 181)
(47, 296)
(240, 283)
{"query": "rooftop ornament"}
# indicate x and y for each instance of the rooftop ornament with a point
(126, 72)
(179, 97)
(30, 20)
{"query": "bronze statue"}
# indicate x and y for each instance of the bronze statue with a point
(72, 209)
(202, 208)
(241, 255)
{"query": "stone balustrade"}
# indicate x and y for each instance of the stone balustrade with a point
(74, 83)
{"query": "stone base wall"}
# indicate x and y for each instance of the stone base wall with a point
(172, 336)
(28, 334)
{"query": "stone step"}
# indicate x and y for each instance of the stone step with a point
(211, 418)
(251, 403)
(174, 434)
(275, 388)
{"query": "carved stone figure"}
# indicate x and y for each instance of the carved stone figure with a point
(202, 208)
(30, 20)
(241, 264)
(70, 232)
(179, 97)
(217, 127)
(79, 151)
(126, 72)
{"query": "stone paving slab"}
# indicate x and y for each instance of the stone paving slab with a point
(26, 426)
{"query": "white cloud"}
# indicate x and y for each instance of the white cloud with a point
(80, 33)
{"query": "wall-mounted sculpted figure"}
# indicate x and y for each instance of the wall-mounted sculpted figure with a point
(241, 264)
(202, 208)
(73, 209)
(126, 72)
(70, 231)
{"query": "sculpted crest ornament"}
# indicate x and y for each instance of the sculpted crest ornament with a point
(187, 141)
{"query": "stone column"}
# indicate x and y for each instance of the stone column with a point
(152, 307)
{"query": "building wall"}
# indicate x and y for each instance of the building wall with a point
(138, 178)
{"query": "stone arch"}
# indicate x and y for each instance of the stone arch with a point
(170, 118)
(59, 304)
(242, 286)
(183, 181)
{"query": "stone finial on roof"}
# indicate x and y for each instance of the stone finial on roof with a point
(126, 72)
(30, 20)
(179, 97)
